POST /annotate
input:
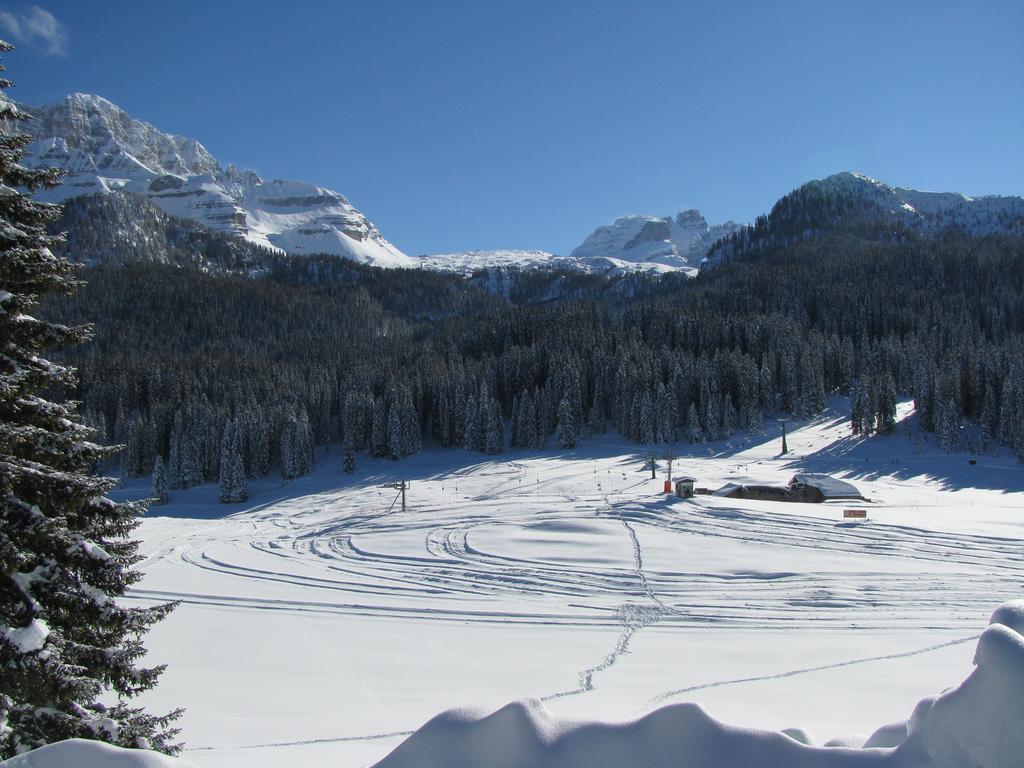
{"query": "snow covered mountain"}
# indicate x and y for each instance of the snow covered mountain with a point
(679, 242)
(858, 203)
(929, 212)
(631, 244)
(102, 148)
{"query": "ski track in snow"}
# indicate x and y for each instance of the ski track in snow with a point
(461, 557)
(639, 557)
(452, 568)
(304, 742)
(341, 562)
(633, 618)
(660, 698)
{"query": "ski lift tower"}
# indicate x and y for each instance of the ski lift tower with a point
(668, 459)
(652, 458)
(401, 486)
(785, 448)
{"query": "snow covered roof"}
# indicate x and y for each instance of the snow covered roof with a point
(830, 487)
(727, 489)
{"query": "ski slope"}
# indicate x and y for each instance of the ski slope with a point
(321, 625)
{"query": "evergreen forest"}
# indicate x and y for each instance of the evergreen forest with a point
(224, 362)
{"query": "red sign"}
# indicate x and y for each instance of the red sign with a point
(855, 513)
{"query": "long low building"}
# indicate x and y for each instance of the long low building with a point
(818, 487)
(805, 487)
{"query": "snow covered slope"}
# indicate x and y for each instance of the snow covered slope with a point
(102, 148)
(677, 243)
(570, 577)
(468, 262)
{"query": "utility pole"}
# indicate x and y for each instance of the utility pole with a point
(669, 457)
(652, 457)
(785, 448)
(401, 487)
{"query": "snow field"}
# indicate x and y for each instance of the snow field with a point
(973, 724)
(321, 624)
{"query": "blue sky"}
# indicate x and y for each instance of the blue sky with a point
(459, 125)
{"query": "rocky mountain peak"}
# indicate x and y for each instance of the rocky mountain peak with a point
(691, 218)
(99, 128)
(678, 242)
(102, 148)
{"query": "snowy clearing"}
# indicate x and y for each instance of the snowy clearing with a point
(322, 625)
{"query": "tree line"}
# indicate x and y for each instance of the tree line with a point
(212, 371)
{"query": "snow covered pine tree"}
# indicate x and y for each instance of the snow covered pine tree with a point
(232, 486)
(65, 551)
(159, 492)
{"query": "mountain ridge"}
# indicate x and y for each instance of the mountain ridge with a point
(855, 201)
(102, 148)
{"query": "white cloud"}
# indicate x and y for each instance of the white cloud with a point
(37, 28)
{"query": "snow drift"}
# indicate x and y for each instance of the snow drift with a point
(979, 722)
(975, 724)
(81, 753)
